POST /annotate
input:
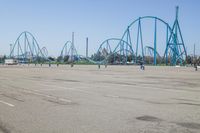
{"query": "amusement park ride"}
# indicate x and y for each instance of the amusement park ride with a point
(129, 49)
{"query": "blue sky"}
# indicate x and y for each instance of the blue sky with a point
(53, 21)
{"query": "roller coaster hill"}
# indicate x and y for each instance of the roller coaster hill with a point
(27, 50)
(147, 39)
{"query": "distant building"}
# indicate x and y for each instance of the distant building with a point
(11, 62)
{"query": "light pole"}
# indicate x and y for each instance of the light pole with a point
(87, 47)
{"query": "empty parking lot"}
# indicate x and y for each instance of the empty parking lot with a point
(85, 99)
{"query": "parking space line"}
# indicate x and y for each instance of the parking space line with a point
(67, 88)
(6, 103)
(38, 93)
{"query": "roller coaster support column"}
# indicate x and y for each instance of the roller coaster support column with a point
(10, 50)
(175, 38)
(174, 44)
(137, 41)
(166, 59)
(155, 48)
(139, 36)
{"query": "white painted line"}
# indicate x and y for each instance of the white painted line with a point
(9, 104)
(113, 96)
(67, 88)
(65, 100)
(47, 96)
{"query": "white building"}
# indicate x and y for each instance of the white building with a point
(11, 62)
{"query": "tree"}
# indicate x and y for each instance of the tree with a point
(2, 59)
(189, 59)
(66, 58)
(198, 61)
(51, 58)
(59, 58)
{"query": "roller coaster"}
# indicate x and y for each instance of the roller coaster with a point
(115, 51)
(175, 51)
(26, 49)
(149, 55)
(129, 49)
(68, 52)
